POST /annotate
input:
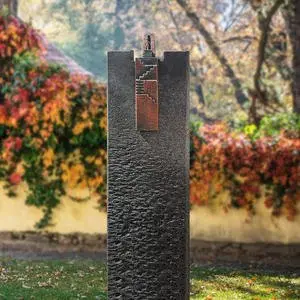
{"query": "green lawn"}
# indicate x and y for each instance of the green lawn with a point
(83, 279)
(220, 283)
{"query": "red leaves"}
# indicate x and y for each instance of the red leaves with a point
(269, 202)
(241, 201)
(16, 106)
(13, 144)
(21, 96)
(3, 112)
(15, 178)
(243, 166)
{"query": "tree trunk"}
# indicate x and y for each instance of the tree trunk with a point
(294, 31)
(240, 95)
(12, 6)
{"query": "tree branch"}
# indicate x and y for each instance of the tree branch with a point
(292, 18)
(245, 38)
(213, 46)
(265, 28)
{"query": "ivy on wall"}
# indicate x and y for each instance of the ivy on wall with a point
(52, 123)
(241, 163)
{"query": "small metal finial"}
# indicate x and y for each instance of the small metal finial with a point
(149, 45)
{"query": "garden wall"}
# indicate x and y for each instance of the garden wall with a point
(211, 223)
(70, 216)
(208, 223)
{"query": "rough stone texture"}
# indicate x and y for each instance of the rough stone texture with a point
(148, 236)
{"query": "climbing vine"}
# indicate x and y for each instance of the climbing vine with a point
(239, 163)
(52, 123)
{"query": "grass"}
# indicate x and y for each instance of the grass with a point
(221, 283)
(85, 279)
(82, 279)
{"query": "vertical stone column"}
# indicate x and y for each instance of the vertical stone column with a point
(148, 179)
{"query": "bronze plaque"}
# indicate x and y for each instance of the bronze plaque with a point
(146, 88)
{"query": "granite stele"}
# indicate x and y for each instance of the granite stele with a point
(148, 175)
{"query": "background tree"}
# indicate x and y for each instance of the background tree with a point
(241, 50)
(12, 6)
(293, 23)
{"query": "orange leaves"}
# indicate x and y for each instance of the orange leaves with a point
(74, 175)
(48, 157)
(3, 114)
(16, 37)
(81, 126)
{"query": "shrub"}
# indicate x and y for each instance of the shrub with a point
(52, 123)
(231, 161)
(271, 126)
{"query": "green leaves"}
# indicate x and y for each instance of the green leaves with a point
(272, 125)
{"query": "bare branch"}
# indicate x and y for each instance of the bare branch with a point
(234, 18)
(245, 38)
(213, 46)
(265, 28)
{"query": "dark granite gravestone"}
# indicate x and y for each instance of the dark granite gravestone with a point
(148, 179)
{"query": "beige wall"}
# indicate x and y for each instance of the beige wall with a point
(212, 223)
(236, 226)
(208, 223)
(69, 216)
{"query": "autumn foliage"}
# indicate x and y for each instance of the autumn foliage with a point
(232, 162)
(52, 123)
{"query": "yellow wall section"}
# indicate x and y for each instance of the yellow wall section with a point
(236, 226)
(68, 217)
(212, 223)
(209, 223)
